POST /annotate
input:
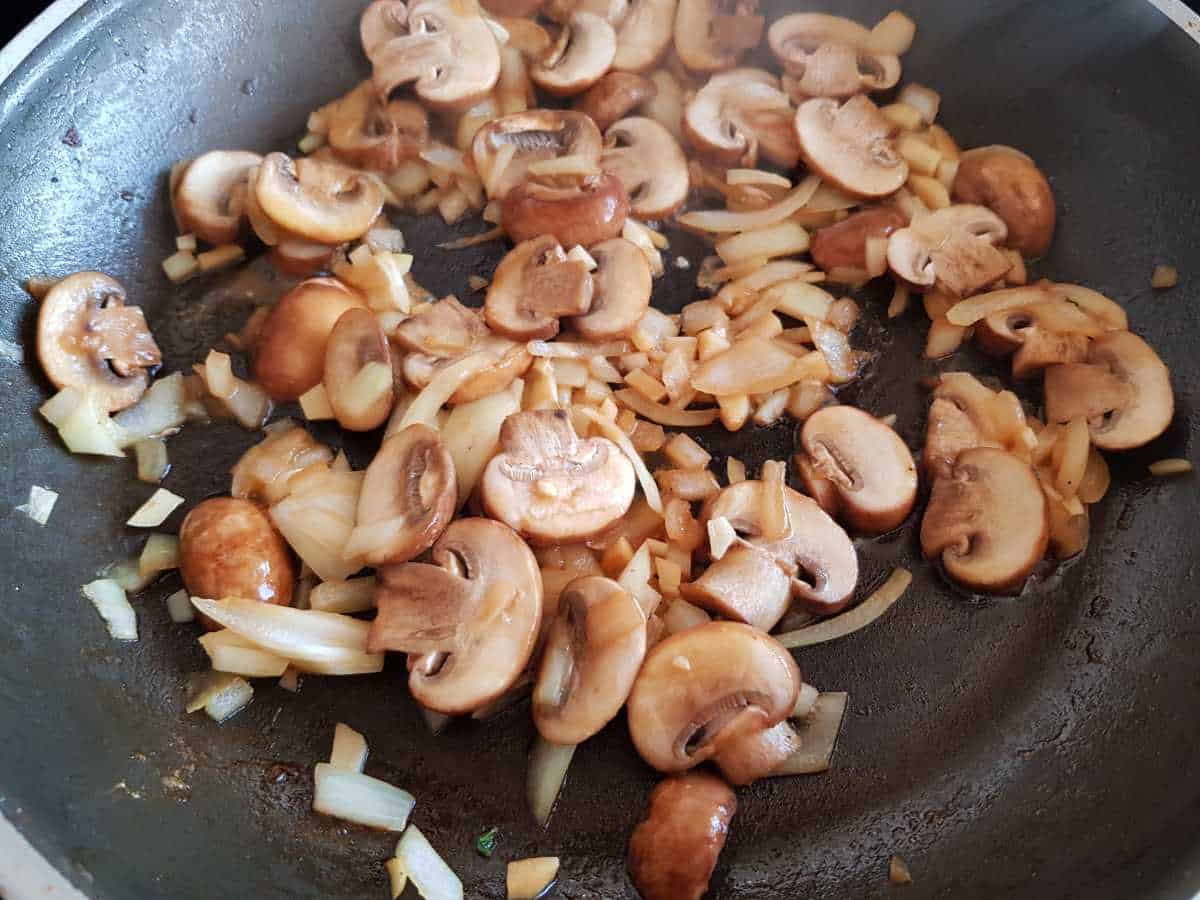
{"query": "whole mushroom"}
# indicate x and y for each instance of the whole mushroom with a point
(1011, 185)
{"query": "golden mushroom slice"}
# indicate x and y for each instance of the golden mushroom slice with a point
(850, 146)
(621, 287)
(857, 467)
(449, 54)
(358, 371)
(965, 413)
(1123, 391)
(614, 97)
(508, 361)
(534, 286)
(986, 521)
(481, 604)
(829, 56)
(644, 34)
(952, 249)
(650, 165)
(740, 113)
(210, 196)
(517, 141)
(551, 485)
(713, 35)
(843, 245)
(1011, 185)
(365, 132)
(319, 201)
(88, 338)
(579, 58)
(380, 23)
(592, 654)
(444, 328)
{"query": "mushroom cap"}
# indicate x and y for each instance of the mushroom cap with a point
(712, 35)
(357, 339)
(693, 684)
(953, 247)
(584, 211)
(320, 201)
(986, 521)
(621, 286)
(864, 462)
(534, 285)
(88, 338)
(367, 133)
(552, 486)
(1124, 391)
(209, 197)
(537, 134)
(380, 22)
(615, 96)
(843, 245)
(650, 165)
(830, 56)
(449, 52)
(1011, 185)
(590, 47)
(850, 146)
(643, 35)
(720, 119)
(444, 328)
(592, 654)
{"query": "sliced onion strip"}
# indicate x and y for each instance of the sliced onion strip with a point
(360, 798)
(818, 734)
(548, 765)
(722, 221)
(853, 619)
(621, 439)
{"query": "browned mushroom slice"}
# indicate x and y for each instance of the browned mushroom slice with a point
(492, 581)
(1124, 392)
(364, 132)
(647, 160)
(209, 198)
(844, 245)
(319, 201)
(986, 521)
(592, 655)
(674, 849)
(1011, 185)
(621, 287)
(380, 22)
(643, 35)
(963, 414)
(552, 486)
(295, 256)
(510, 360)
(953, 248)
(88, 338)
(614, 97)
(850, 146)
(443, 329)
(696, 684)
(725, 119)
(747, 584)
(870, 473)
(829, 56)
(535, 285)
(712, 35)
(579, 58)
(533, 136)
(514, 8)
(408, 498)
(358, 371)
(575, 211)
(449, 53)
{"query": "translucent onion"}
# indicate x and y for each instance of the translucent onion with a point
(818, 734)
(853, 619)
(723, 221)
(433, 879)
(548, 764)
(835, 347)
(40, 505)
(635, 578)
(179, 607)
(87, 428)
(428, 403)
(360, 798)
(799, 299)
(233, 696)
(114, 608)
(317, 518)
(229, 652)
(1164, 467)
(670, 416)
(164, 408)
(754, 366)
(349, 749)
(471, 434)
(355, 595)
(160, 554)
(527, 879)
(152, 461)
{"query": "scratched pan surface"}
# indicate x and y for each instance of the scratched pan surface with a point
(1043, 746)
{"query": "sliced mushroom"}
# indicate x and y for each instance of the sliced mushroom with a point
(319, 201)
(843, 245)
(408, 498)
(965, 413)
(986, 521)
(380, 23)
(736, 113)
(829, 56)
(304, 259)
(1124, 392)
(1011, 185)
(535, 285)
(510, 358)
(858, 467)
(576, 211)
(591, 656)
(621, 287)
(647, 160)
(513, 8)
(674, 849)
(816, 559)
(366, 133)
(850, 146)
(88, 338)
(952, 249)
(449, 52)
(209, 198)
(712, 35)
(551, 485)
(356, 342)
(485, 609)
(695, 684)
(583, 53)
(535, 135)
(643, 35)
(615, 96)
(289, 355)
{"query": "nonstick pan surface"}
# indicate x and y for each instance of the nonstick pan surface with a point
(1043, 746)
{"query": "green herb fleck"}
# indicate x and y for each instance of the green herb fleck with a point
(485, 844)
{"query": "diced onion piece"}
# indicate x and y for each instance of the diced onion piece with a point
(433, 397)
(181, 266)
(179, 607)
(903, 116)
(59, 408)
(371, 384)
(681, 615)
(773, 506)
(771, 408)
(349, 749)
(898, 871)
(448, 159)
(893, 34)
(683, 451)
(757, 176)
(754, 366)
(1165, 467)
(930, 191)
(433, 879)
(316, 519)
(471, 434)
(40, 505)
(925, 100)
(572, 350)
(800, 300)
(735, 470)
(724, 221)
(899, 302)
(635, 578)
(806, 702)
(355, 595)
(646, 385)
(828, 199)
(360, 798)
(835, 347)
(127, 574)
(228, 652)
(162, 410)
(152, 461)
(876, 255)
(160, 554)
(853, 619)
(314, 403)
(618, 437)
(527, 879)
(88, 428)
(231, 699)
(395, 869)
(921, 157)
(155, 511)
(111, 603)
(721, 536)
(818, 733)
(735, 410)
(548, 765)
(249, 404)
(1164, 277)
(781, 239)
(1072, 456)
(218, 375)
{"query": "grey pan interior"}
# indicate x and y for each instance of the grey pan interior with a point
(1043, 746)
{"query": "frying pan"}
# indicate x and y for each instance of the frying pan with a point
(1039, 746)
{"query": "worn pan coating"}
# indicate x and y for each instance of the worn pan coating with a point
(1042, 747)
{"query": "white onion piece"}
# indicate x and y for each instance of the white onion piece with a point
(799, 299)
(40, 505)
(395, 869)
(316, 519)
(827, 198)
(471, 434)
(721, 535)
(58, 408)
(111, 603)
(548, 764)
(818, 734)
(229, 700)
(152, 460)
(621, 439)
(835, 347)
(349, 749)
(681, 615)
(853, 619)
(360, 798)
(756, 176)
(89, 430)
(155, 511)
(576, 350)
(635, 578)
(527, 879)
(433, 879)
(1164, 467)
(127, 573)
(426, 405)
(160, 554)
(179, 607)
(354, 595)
(664, 415)
(228, 652)
(721, 221)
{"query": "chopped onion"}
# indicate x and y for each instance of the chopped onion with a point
(354, 595)
(635, 578)
(87, 428)
(853, 619)
(492, 234)
(681, 615)
(772, 500)
(925, 100)
(314, 403)
(179, 607)
(447, 159)
(360, 798)
(893, 34)
(161, 411)
(564, 165)
(155, 511)
(433, 879)
(229, 700)
(827, 199)
(110, 601)
(735, 470)
(723, 221)
(670, 416)
(221, 257)
(40, 505)
(152, 461)
(800, 300)
(317, 517)
(395, 869)
(433, 397)
(621, 439)
(818, 734)
(548, 765)
(160, 554)
(228, 652)
(761, 244)
(834, 346)
(349, 749)
(898, 871)
(753, 366)
(380, 276)
(471, 434)
(572, 350)
(181, 266)
(127, 574)
(876, 255)
(1170, 467)
(1164, 277)
(527, 879)
(899, 302)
